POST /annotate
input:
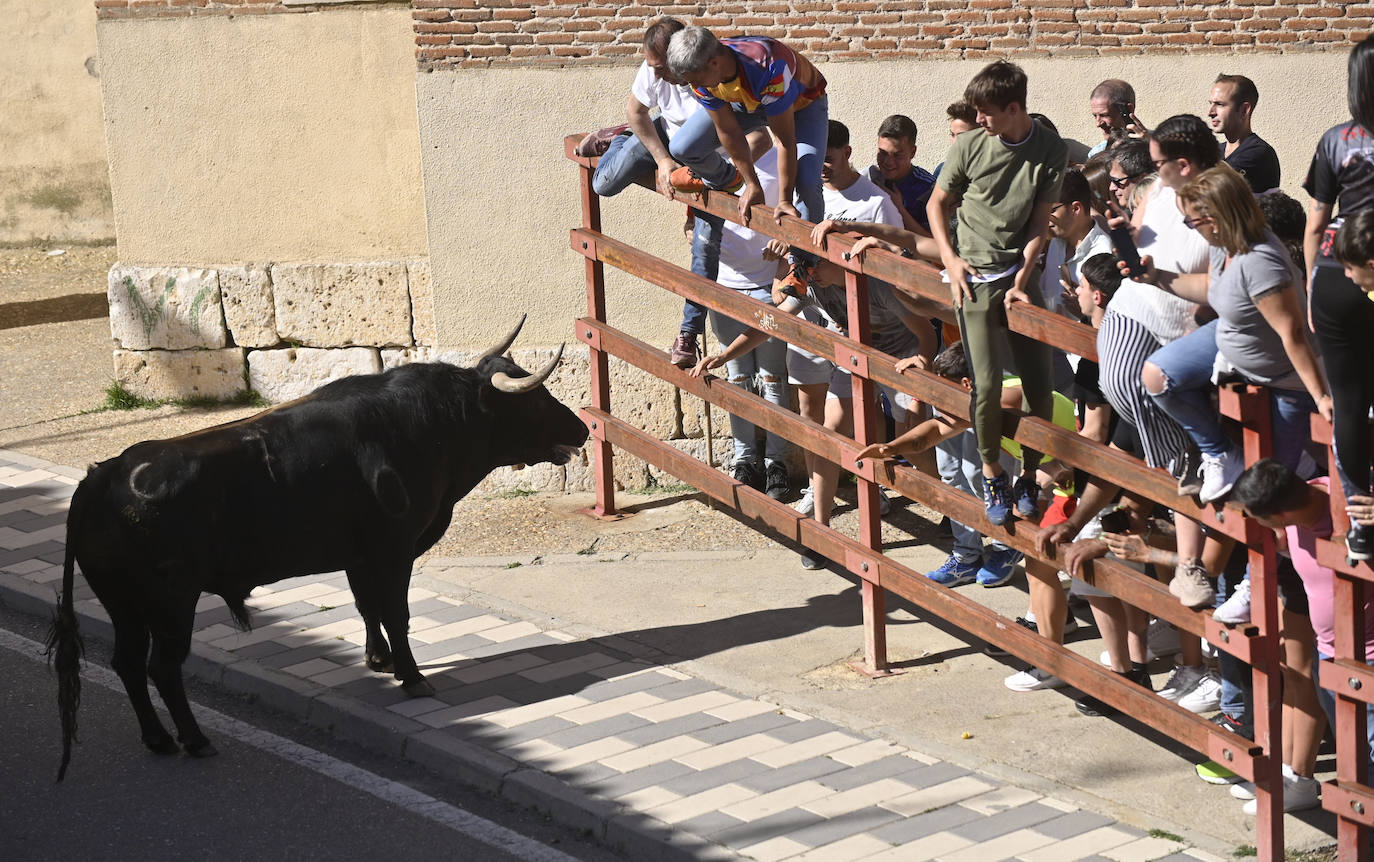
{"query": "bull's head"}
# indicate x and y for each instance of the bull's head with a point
(534, 425)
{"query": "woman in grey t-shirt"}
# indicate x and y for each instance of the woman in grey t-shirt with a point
(1259, 336)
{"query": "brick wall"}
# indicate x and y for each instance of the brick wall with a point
(466, 33)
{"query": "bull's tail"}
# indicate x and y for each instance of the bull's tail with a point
(65, 647)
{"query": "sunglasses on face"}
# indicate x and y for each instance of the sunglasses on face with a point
(1195, 223)
(1122, 182)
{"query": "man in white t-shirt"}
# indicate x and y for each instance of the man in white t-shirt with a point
(643, 149)
(896, 329)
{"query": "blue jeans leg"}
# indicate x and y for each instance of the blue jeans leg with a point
(624, 161)
(768, 360)
(1291, 412)
(695, 144)
(949, 459)
(1187, 396)
(1235, 674)
(706, 236)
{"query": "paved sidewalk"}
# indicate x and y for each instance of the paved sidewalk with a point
(650, 759)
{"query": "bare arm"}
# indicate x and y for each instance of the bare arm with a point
(1282, 313)
(1039, 227)
(918, 439)
(732, 139)
(1190, 286)
(937, 211)
(784, 128)
(1318, 217)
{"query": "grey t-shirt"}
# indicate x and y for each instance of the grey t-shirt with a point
(890, 334)
(1244, 338)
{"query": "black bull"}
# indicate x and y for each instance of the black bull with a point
(361, 476)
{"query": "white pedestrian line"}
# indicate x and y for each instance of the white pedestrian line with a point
(394, 792)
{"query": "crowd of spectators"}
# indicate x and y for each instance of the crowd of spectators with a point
(1173, 242)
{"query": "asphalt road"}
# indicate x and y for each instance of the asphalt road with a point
(277, 789)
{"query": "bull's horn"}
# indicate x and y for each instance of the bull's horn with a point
(516, 385)
(504, 345)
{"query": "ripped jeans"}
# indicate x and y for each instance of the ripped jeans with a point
(1187, 398)
(762, 371)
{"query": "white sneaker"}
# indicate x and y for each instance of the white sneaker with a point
(1236, 608)
(1204, 696)
(1180, 682)
(1299, 794)
(1219, 473)
(1243, 790)
(1034, 679)
(807, 504)
(1162, 639)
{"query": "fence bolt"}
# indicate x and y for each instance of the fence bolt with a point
(584, 246)
(864, 567)
(1227, 755)
(859, 464)
(1357, 805)
(593, 426)
(589, 333)
(1355, 683)
(854, 360)
(1225, 636)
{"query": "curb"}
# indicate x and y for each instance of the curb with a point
(620, 828)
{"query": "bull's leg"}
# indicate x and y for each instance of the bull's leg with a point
(364, 596)
(171, 645)
(130, 653)
(395, 613)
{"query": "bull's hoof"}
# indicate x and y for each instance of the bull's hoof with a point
(381, 664)
(418, 688)
(163, 745)
(202, 749)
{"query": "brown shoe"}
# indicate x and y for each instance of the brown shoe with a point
(685, 179)
(684, 352)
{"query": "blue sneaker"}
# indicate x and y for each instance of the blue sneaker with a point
(1027, 496)
(953, 573)
(995, 496)
(999, 566)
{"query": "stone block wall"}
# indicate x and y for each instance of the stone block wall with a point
(278, 329)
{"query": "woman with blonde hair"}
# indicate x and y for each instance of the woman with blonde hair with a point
(1259, 336)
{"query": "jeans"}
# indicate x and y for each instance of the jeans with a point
(1235, 674)
(762, 370)
(689, 146)
(624, 162)
(961, 468)
(1187, 397)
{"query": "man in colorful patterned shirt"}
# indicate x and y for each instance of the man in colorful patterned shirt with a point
(750, 75)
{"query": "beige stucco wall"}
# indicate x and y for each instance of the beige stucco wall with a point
(53, 179)
(501, 197)
(264, 138)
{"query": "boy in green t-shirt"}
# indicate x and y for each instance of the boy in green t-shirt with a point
(1004, 178)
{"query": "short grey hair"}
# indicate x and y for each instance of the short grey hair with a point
(690, 50)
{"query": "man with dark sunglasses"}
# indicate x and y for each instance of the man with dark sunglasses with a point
(1130, 163)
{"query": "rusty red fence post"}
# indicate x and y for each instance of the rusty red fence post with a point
(603, 468)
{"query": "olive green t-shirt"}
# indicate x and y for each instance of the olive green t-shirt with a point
(1000, 184)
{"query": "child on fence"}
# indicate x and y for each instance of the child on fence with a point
(1048, 601)
(1004, 182)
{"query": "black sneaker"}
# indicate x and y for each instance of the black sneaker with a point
(1359, 542)
(1026, 495)
(1235, 725)
(1186, 472)
(748, 473)
(1089, 705)
(776, 482)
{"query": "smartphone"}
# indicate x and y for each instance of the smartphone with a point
(1122, 242)
(1065, 275)
(1116, 521)
(1124, 109)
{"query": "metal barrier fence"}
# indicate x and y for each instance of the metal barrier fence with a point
(1256, 643)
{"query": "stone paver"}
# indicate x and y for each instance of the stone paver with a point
(613, 729)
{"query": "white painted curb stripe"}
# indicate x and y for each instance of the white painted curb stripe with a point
(400, 795)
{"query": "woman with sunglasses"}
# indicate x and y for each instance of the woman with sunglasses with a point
(1259, 336)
